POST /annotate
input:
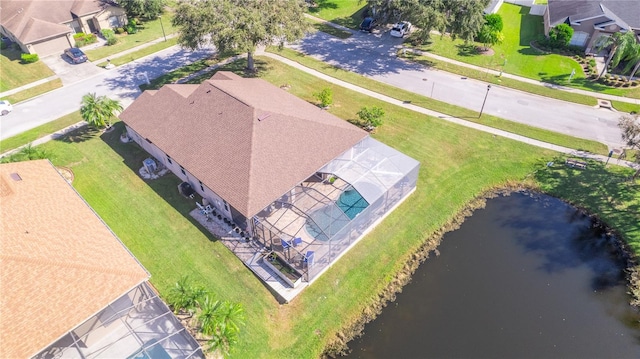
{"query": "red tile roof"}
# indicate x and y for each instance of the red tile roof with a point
(59, 263)
(247, 140)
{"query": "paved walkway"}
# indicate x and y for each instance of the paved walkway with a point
(445, 117)
(506, 75)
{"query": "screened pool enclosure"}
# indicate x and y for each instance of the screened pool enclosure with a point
(319, 219)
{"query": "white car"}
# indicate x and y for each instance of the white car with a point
(5, 107)
(400, 29)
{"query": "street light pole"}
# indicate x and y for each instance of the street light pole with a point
(162, 26)
(485, 100)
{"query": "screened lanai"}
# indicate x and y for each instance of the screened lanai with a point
(319, 219)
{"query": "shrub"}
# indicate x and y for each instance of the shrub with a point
(83, 39)
(107, 32)
(325, 97)
(112, 40)
(119, 30)
(560, 36)
(29, 58)
(3, 45)
(371, 117)
(494, 21)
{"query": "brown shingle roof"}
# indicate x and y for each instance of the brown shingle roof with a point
(247, 140)
(30, 20)
(59, 263)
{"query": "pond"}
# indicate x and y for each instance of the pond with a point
(526, 277)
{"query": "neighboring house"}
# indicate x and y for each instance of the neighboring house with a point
(591, 19)
(46, 27)
(279, 167)
(68, 287)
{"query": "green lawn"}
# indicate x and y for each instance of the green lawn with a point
(151, 218)
(516, 56)
(14, 74)
(347, 13)
(469, 115)
(40, 131)
(625, 106)
(34, 91)
(149, 31)
(321, 26)
(152, 49)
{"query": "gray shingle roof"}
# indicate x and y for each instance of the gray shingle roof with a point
(626, 10)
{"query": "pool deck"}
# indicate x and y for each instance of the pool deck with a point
(251, 254)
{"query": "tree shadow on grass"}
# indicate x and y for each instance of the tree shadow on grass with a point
(467, 50)
(166, 186)
(319, 5)
(606, 191)
(81, 134)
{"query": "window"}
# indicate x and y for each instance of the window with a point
(201, 186)
(182, 170)
(579, 38)
(169, 159)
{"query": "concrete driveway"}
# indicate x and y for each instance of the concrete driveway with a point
(69, 72)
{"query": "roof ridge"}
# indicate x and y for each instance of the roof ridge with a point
(229, 94)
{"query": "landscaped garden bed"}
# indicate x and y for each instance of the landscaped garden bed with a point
(283, 269)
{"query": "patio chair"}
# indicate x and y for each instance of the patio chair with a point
(285, 244)
(297, 241)
(308, 258)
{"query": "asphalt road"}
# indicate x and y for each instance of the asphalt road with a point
(119, 83)
(374, 55)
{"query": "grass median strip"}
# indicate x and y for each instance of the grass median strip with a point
(151, 49)
(625, 107)
(40, 131)
(439, 106)
(34, 91)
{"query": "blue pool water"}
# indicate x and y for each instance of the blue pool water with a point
(351, 203)
(328, 220)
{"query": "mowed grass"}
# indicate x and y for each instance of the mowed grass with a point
(625, 107)
(149, 31)
(443, 107)
(152, 49)
(347, 13)
(40, 131)
(14, 74)
(34, 91)
(514, 55)
(151, 218)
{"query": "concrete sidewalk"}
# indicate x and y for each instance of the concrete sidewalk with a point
(445, 117)
(504, 74)
(530, 81)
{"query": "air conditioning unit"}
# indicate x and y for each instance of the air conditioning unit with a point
(150, 165)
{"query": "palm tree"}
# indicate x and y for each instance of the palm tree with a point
(98, 110)
(618, 42)
(633, 60)
(184, 296)
(221, 321)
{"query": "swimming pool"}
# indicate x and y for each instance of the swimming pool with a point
(328, 220)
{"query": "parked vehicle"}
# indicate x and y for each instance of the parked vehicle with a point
(5, 107)
(400, 29)
(76, 55)
(368, 24)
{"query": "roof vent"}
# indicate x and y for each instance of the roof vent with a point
(263, 116)
(16, 177)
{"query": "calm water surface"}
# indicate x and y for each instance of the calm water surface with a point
(526, 277)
